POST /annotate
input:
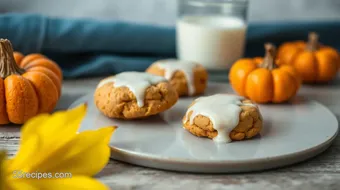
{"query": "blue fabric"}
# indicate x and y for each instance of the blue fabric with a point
(84, 47)
(280, 32)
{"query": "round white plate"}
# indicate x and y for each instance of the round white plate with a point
(292, 132)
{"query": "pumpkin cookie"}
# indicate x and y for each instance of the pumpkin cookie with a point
(131, 95)
(188, 78)
(223, 118)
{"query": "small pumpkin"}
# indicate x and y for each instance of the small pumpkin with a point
(316, 63)
(262, 80)
(27, 87)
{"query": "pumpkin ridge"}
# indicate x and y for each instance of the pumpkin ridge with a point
(45, 90)
(331, 67)
(293, 78)
(28, 82)
(29, 58)
(244, 85)
(18, 57)
(17, 109)
(24, 105)
(273, 86)
(316, 66)
(294, 56)
(238, 82)
(50, 75)
(35, 90)
(306, 59)
(3, 108)
(48, 64)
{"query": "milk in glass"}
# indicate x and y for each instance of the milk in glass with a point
(214, 41)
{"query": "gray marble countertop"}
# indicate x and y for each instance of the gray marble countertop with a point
(321, 172)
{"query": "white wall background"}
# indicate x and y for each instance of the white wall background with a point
(163, 12)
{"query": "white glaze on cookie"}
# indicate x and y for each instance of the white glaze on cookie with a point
(172, 65)
(137, 82)
(223, 110)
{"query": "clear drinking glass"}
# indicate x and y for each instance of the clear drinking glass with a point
(211, 32)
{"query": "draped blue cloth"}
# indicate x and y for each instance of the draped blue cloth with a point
(87, 47)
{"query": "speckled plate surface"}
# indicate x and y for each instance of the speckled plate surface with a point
(292, 132)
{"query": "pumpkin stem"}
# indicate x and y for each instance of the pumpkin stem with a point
(8, 65)
(269, 58)
(313, 41)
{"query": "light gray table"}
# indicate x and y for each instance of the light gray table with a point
(321, 172)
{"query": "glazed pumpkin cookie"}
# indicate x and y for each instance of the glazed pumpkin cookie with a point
(187, 77)
(223, 118)
(131, 95)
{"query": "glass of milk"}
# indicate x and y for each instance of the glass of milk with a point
(211, 32)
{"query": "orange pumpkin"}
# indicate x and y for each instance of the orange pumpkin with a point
(262, 80)
(28, 87)
(315, 62)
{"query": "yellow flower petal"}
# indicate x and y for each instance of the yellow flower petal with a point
(27, 152)
(74, 183)
(50, 143)
(51, 127)
(32, 126)
(61, 128)
(87, 154)
(2, 170)
(54, 132)
(63, 123)
(20, 185)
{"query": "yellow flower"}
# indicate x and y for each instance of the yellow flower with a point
(52, 150)
(2, 180)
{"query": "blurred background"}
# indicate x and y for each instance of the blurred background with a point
(163, 12)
